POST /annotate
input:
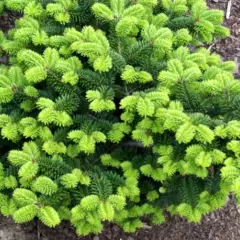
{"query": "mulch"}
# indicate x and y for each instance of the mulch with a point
(7, 21)
(223, 224)
(229, 48)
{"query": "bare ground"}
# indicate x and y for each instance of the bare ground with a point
(229, 48)
(224, 224)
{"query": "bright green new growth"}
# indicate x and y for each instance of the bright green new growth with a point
(113, 111)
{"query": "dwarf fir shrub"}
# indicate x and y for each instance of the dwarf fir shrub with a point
(113, 110)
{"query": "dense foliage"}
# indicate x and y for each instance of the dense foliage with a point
(113, 110)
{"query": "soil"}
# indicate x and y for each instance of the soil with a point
(7, 21)
(223, 224)
(229, 48)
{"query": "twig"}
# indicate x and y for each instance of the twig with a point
(229, 6)
(147, 227)
(91, 116)
(134, 144)
(38, 230)
(212, 45)
(126, 90)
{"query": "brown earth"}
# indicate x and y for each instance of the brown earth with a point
(229, 48)
(224, 224)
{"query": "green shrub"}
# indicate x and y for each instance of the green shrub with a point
(1, 7)
(112, 111)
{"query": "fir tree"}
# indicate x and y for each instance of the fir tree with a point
(113, 111)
